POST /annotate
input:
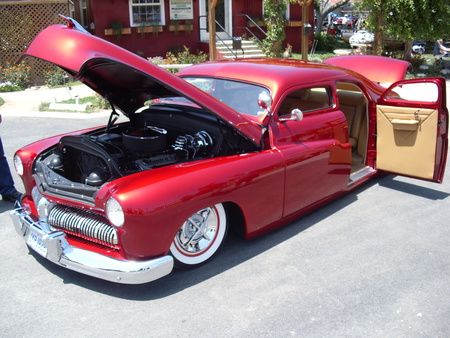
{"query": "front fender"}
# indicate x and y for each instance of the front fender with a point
(157, 202)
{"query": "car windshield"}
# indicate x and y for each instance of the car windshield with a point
(241, 96)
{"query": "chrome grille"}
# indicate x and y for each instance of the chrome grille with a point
(84, 224)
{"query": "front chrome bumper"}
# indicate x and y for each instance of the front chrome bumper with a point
(53, 245)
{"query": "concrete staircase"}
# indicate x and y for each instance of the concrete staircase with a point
(249, 50)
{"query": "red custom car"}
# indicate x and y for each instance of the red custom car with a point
(248, 144)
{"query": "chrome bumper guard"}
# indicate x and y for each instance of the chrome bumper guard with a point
(53, 245)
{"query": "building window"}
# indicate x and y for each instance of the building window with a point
(146, 12)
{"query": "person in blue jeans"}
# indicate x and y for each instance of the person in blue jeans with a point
(7, 189)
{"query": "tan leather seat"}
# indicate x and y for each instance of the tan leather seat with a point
(353, 105)
(305, 100)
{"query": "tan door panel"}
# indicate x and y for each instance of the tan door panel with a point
(406, 140)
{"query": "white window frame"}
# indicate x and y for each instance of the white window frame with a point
(155, 3)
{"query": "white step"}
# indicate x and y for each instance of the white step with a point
(249, 49)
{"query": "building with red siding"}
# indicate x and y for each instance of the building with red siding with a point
(153, 27)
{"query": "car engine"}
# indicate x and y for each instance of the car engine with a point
(80, 164)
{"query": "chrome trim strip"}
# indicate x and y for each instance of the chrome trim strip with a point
(90, 263)
(360, 174)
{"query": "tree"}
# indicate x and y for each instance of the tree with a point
(376, 21)
(407, 20)
(325, 7)
(273, 13)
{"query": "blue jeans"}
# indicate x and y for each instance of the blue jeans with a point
(6, 180)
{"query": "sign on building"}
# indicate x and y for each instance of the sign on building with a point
(181, 10)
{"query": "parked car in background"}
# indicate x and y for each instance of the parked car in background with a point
(247, 145)
(345, 21)
(361, 37)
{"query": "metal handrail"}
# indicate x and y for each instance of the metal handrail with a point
(223, 43)
(217, 36)
(247, 29)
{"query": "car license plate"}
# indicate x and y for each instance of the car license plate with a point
(36, 243)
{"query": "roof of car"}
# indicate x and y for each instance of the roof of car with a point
(274, 73)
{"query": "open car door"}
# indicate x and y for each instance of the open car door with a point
(412, 129)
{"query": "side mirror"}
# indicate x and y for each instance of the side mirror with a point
(264, 100)
(296, 115)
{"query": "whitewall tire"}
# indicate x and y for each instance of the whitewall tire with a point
(199, 237)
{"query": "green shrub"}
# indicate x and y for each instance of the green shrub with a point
(9, 87)
(416, 61)
(100, 102)
(55, 76)
(14, 77)
(184, 55)
(326, 43)
(180, 56)
(44, 106)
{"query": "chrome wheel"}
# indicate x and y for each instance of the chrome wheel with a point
(199, 237)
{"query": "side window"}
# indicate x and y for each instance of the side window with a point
(419, 92)
(146, 13)
(306, 99)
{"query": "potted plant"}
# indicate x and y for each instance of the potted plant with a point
(257, 22)
(150, 28)
(117, 29)
(176, 26)
(188, 26)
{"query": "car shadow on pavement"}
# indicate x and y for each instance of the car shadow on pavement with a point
(235, 251)
(412, 189)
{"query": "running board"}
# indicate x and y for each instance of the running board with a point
(360, 174)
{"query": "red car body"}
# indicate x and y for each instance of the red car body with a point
(265, 142)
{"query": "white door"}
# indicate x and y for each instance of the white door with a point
(223, 17)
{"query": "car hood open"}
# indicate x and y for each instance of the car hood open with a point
(125, 79)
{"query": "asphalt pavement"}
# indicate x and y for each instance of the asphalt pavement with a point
(374, 263)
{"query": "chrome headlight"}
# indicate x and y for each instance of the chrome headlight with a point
(114, 212)
(18, 164)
